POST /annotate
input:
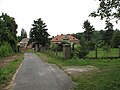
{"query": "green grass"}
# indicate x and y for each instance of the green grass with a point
(58, 55)
(107, 77)
(7, 72)
(114, 52)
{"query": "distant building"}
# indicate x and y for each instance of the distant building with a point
(59, 38)
(24, 42)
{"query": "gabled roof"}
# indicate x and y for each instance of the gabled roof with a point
(62, 37)
(24, 40)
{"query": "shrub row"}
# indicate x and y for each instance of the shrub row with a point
(5, 50)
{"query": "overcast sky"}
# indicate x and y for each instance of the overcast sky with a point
(60, 16)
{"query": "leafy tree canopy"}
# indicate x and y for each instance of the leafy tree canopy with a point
(108, 9)
(88, 30)
(116, 39)
(39, 34)
(23, 35)
(8, 30)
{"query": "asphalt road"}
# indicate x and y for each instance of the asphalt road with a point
(35, 74)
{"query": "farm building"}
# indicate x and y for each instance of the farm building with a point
(59, 38)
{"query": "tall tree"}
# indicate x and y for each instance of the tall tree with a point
(38, 33)
(108, 33)
(23, 33)
(8, 31)
(88, 30)
(108, 10)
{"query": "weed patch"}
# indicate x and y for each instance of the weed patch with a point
(8, 71)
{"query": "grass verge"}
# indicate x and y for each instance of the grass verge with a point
(107, 77)
(7, 71)
(114, 52)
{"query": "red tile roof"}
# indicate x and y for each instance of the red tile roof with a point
(59, 38)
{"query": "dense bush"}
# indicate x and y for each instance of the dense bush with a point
(91, 45)
(53, 47)
(116, 39)
(8, 32)
(80, 51)
(5, 50)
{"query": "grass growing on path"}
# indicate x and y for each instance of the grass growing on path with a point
(8, 70)
(107, 77)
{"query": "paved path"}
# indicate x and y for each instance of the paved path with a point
(35, 74)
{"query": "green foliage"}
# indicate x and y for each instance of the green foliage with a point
(105, 36)
(108, 9)
(53, 47)
(38, 33)
(91, 45)
(108, 33)
(8, 31)
(19, 38)
(87, 38)
(78, 62)
(65, 42)
(104, 52)
(97, 38)
(116, 39)
(23, 35)
(88, 30)
(82, 40)
(106, 48)
(77, 35)
(7, 72)
(80, 51)
(5, 50)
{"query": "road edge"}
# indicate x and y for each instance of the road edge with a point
(12, 83)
